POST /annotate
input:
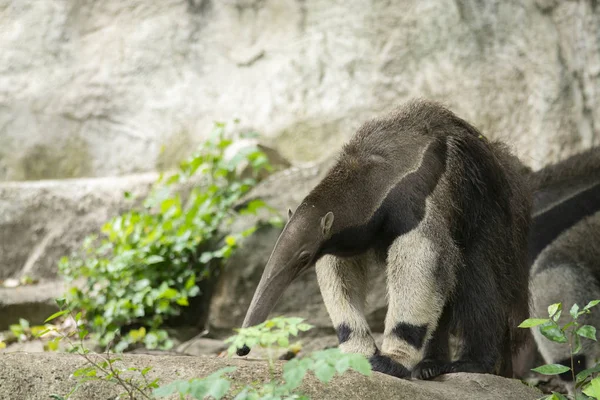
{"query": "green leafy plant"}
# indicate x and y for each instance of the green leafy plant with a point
(272, 334)
(136, 383)
(98, 367)
(147, 263)
(587, 382)
(20, 330)
(214, 385)
(23, 331)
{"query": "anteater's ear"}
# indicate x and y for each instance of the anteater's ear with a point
(290, 213)
(326, 223)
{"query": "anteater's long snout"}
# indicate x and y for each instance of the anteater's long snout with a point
(272, 285)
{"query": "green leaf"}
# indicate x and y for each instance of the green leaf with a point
(361, 365)
(253, 206)
(342, 365)
(43, 332)
(173, 179)
(568, 325)
(198, 389)
(531, 322)
(574, 311)
(553, 332)
(82, 371)
(57, 397)
(82, 333)
(154, 259)
(283, 342)
(556, 316)
(230, 240)
(190, 282)
(593, 390)
(293, 374)
(587, 372)
(587, 331)
(168, 293)
(249, 231)
(60, 302)
(52, 345)
(304, 327)
(577, 348)
(206, 257)
(218, 388)
(551, 369)
(183, 301)
(591, 304)
(554, 308)
(56, 315)
(557, 396)
(324, 372)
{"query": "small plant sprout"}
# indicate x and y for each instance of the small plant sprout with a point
(275, 332)
(98, 367)
(271, 334)
(571, 334)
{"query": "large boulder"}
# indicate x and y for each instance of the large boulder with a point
(34, 303)
(117, 87)
(44, 220)
(37, 376)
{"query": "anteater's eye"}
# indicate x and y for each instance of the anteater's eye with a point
(304, 257)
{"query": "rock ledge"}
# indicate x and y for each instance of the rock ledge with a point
(35, 376)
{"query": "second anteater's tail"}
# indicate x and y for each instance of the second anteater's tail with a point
(564, 194)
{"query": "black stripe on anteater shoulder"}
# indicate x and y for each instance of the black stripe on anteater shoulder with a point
(400, 212)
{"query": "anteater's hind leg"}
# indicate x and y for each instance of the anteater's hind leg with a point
(505, 367)
(437, 353)
(420, 270)
(479, 317)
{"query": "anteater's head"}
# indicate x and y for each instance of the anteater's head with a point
(297, 249)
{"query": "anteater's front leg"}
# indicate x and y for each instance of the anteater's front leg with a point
(420, 277)
(343, 284)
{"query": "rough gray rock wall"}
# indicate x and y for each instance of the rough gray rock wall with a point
(42, 221)
(97, 88)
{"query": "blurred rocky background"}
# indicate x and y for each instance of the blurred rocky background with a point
(97, 96)
(90, 89)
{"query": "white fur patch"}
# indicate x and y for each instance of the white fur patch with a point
(343, 284)
(414, 295)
